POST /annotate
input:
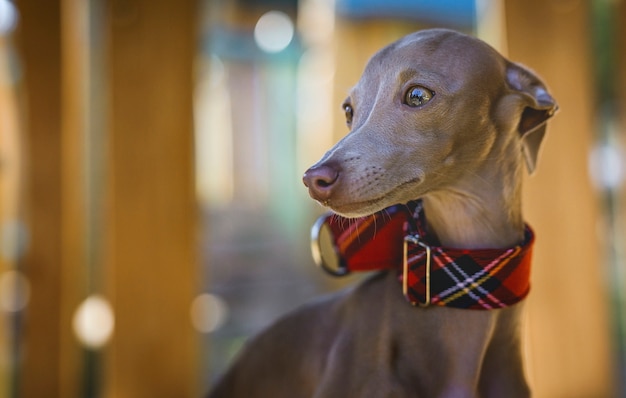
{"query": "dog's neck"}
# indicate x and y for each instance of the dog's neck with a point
(481, 215)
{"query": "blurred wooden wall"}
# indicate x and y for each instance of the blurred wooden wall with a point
(39, 45)
(142, 257)
(151, 224)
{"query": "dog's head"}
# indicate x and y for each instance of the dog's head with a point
(429, 108)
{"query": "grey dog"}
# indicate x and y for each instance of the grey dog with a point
(442, 117)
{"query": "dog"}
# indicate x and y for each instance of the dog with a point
(440, 117)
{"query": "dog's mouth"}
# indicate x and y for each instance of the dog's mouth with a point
(396, 195)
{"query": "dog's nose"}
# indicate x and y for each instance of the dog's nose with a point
(320, 180)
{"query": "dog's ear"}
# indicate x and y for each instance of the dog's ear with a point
(537, 107)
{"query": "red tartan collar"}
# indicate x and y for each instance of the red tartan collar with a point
(395, 238)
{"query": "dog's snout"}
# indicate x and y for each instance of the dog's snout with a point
(320, 180)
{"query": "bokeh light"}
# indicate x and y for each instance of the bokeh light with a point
(273, 31)
(208, 313)
(14, 291)
(606, 167)
(94, 322)
(8, 17)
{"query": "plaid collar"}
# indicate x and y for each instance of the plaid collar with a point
(395, 238)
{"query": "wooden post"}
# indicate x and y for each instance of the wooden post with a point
(52, 54)
(568, 319)
(150, 259)
(39, 44)
(11, 207)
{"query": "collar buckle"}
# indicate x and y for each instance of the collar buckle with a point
(415, 240)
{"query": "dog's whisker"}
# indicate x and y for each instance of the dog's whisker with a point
(375, 224)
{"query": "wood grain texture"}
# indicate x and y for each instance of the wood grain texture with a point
(39, 46)
(151, 241)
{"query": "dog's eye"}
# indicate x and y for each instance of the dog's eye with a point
(417, 96)
(347, 108)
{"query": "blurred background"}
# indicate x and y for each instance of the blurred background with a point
(152, 215)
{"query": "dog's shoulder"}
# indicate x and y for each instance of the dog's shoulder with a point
(314, 320)
(309, 319)
(283, 357)
(326, 307)
(293, 353)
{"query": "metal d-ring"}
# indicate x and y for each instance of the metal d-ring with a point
(316, 249)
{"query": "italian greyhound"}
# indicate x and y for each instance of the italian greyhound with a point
(441, 117)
